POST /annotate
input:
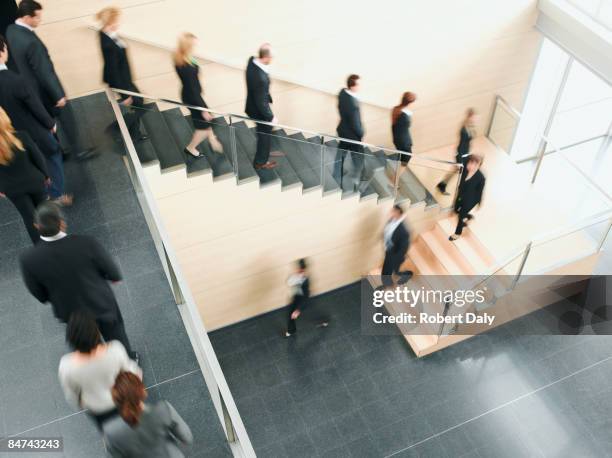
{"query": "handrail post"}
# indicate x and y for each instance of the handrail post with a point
(605, 236)
(233, 147)
(521, 267)
(322, 164)
(397, 176)
(229, 426)
(492, 116)
(460, 169)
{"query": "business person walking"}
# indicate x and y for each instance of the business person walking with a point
(188, 71)
(401, 120)
(73, 272)
(258, 104)
(29, 57)
(397, 242)
(27, 114)
(117, 73)
(350, 127)
(470, 193)
(143, 430)
(466, 134)
(23, 173)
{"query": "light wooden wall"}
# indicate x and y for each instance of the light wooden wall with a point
(453, 54)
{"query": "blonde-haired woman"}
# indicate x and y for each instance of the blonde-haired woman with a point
(117, 73)
(23, 173)
(188, 70)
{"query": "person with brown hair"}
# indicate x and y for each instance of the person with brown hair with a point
(143, 430)
(23, 173)
(466, 134)
(117, 73)
(470, 193)
(188, 71)
(401, 119)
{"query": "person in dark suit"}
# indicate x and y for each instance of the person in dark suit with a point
(470, 193)
(8, 14)
(397, 242)
(401, 119)
(23, 173)
(188, 71)
(73, 272)
(300, 286)
(116, 72)
(27, 114)
(30, 58)
(350, 128)
(466, 134)
(258, 104)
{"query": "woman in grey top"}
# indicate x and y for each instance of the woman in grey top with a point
(143, 430)
(88, 373)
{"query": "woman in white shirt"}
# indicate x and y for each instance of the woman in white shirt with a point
(88, 373)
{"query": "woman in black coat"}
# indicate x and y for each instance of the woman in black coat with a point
(117, 73)
(470, 193)
(23, 173)
(188, 71)
(466, 134)
(401, 119)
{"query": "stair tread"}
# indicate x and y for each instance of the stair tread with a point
(146, 151)
(244, 167)
(447, 254)
(181, 132)
(246, 141)
(168, 153)
(311, 150)
(475, 253)
(310, 180)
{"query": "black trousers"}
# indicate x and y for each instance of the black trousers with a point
(115, 330)
(404, 158)
(67, 122)
(391, 265)
(25, 204)
(133, 114)
(357, 158)
(263, 143)
(462, 213)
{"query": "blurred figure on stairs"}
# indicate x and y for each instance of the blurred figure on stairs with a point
(117, 73)
(258, 104)
(188, 71)
(469, 194)
(401, 119)
(397, 242)
(466, 134)
(350, 127)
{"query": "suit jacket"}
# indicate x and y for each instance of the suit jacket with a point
(153, 437)
(401, 132)
(29, 57)
(24, 107)
(350, 117)
(470, 191)
(191, 91)
(26, 172)
(72, 273)
(8, 14)
(258, 93)
(116, 73)
(400, 242)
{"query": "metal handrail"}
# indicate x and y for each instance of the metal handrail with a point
(283, 126)
(207, 359)
(553, 235)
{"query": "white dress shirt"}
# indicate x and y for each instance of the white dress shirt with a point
(264, 67)
(23, 24)
(407, 111)
(115, 37)
(389, 230)
(351, 93)
(60, 235)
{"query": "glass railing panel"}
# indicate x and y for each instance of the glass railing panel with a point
(429, 183)
(502, 128)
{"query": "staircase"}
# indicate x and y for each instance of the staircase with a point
(299, 165)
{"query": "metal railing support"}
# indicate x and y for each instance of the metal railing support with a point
(605, 236)
(521, 267)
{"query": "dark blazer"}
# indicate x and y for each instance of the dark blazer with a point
(116, 71)
(470, 191)
(8, 14)
(24, 107)
(258, 93)
(72, 273)
(29, 57)
(26, 172)
(191, 92)
(463, 148)
(153, 437)
(401, 132)
(400, 243)
(350, 117)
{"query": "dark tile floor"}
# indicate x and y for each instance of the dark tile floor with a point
(32, 341)
(335, 392)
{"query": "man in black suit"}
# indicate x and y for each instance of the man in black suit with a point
(350, 127)
(73, 272)
(397, 242)
(8, 14)
(30, 58)
(28, 114)
(258, 104)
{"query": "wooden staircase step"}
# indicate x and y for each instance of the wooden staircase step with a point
(448, 254)
(472, 249)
